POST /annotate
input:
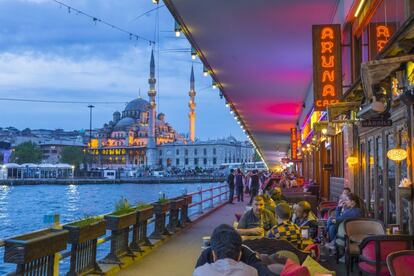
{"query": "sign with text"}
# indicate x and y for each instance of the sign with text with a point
(379, 34)
(376, 123)
(294, 143)
(327, 65)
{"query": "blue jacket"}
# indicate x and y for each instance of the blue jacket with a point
(348, 213)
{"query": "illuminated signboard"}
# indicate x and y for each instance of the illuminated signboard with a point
(379, 34)
(312, 118)
(327, 65)
(294, 143)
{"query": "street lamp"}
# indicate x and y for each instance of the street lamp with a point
(90, 130)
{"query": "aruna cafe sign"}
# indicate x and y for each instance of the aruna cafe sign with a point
(327, 65)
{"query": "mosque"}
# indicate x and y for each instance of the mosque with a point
(139, 138)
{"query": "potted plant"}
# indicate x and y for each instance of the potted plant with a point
(89, 228)
(26, 248)
(405, 188)
(161, 206)
(123, 216)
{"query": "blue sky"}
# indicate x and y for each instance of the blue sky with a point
(47, 53)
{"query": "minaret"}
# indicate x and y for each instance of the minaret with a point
(192, 106)
(151, 146)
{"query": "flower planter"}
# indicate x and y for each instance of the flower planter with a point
(84, 246)
(406, 192)
(160, 210)
(177, 203)
(161, 207)
(80, 234)
(26, 248)
(117, 222)
(145, 214)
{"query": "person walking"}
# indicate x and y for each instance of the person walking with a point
(254, 185)
(239, 182)
(230, 182)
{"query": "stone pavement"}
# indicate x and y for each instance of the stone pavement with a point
(177, 257)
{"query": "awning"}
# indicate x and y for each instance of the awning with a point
(373, 72)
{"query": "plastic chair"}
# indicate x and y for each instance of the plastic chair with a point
(375, 250)
(401, 263)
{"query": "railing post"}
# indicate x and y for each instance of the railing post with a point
(200, 206)
(220, 195)
(227, 194)
(211, 195)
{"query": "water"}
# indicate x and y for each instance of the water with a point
(22, 207)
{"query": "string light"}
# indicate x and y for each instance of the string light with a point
(177, 29)
(98, 20)
(205, 71)
(193, 53)
(155, 2)
(214, 85)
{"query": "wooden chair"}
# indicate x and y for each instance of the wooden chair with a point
(272, 246)
(358, 227)
(375, 250)
(401, 263)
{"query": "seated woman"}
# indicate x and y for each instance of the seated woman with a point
(351, 209)
(305, 217)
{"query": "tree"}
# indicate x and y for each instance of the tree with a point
(73, 155)
(27, 152)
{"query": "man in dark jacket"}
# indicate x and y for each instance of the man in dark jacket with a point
(248, 257)
(230, 181)
(254, 185)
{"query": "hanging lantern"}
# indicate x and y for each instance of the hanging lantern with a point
(397, 154)
(352, 160)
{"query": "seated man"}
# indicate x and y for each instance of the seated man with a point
(285, 229)
(276, 195)
(227, 256)
(305, 217)
(256, 221)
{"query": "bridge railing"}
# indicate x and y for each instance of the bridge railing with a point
(41, 252)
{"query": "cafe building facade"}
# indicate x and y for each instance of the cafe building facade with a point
(365, 141)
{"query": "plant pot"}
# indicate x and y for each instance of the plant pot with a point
(145, 214)
(80, 234)
(28, 247)
(160, 208)
(177, 203)
(406, 192)
(117, 222)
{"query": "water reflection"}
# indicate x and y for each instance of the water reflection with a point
(4, 213)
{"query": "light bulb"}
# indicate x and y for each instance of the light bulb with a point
(177, 33)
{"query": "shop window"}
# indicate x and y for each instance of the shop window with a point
(403, 173)
(186, 161)
(214, 161)
(195, 151)
(391, 212)
(177, 162)
(177, 151)
(380, 178)
(205, 161)
(186, 152)
(195, 161)
(205, 151)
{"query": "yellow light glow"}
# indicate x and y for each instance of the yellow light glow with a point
(324, 131)
(177, 33)
(155, 1)
(361, 4)
(352, 160)
(397, 154)
(193, 56)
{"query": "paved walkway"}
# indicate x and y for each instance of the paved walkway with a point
(177, 257)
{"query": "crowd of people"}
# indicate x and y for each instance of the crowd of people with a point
(269, 215)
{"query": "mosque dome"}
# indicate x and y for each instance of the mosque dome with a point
(124, 123)
(138, 104)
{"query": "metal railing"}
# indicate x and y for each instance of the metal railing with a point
(206, 199)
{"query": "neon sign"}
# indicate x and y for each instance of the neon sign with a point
(327, 65)
(379, 34)
(294, 143)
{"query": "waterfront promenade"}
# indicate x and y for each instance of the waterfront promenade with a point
(177, 257)
(82, 181)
